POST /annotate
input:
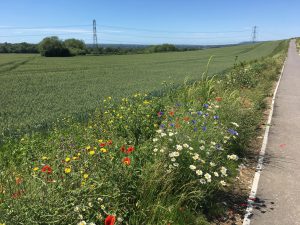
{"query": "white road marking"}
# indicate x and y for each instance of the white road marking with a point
(252, 196)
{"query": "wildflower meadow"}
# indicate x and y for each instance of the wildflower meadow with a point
(145, 159)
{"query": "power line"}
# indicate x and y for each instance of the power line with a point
(40, 35)
(126, 28)
(172, 31)
(42, 27)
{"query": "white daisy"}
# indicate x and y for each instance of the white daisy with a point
(199, 172)
(185, 145)
(81, 223)
(179, 147)
(223, 182)
(192, 167)
(202, 181)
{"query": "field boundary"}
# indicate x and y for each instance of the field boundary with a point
(259, 167)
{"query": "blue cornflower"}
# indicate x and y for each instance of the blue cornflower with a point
(206, 114)
(193, 121)
(160, 113)
(216, 117)
(205, 106)
(200, 113)
(162, 126)
(172, 125)
(204, 128)
(233, 132)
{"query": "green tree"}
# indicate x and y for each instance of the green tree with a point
(75, 46)
(53, 46)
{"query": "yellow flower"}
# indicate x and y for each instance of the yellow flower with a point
(146, 102)
(75, 158)
(155, 125)
(82, 183)
(68, 170)
(67, 159)
(88, 147)
(100, 140)
(109, 98)
(148, 116)
(78, 153)
(103, 150)
(35, 169)
(92, 152)
(85, 176)
(44, 158)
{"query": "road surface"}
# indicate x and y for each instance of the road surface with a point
(278, 201)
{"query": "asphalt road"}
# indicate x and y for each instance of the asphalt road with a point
(278, 201)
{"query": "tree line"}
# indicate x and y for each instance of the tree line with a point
(55, 47)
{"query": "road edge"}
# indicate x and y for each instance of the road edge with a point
(259, 167)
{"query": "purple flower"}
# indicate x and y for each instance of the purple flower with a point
(160, 113)
(233, 132)
(204, 128)
(200, 113)
(172, 125)
(193, 121)
(162, 126)
(216, 117)
(205, 106)
(206, 114)
(195, 129)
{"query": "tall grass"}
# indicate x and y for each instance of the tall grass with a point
(140, 159)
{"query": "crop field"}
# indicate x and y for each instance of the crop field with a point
(36, 90)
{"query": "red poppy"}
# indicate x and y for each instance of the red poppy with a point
(126, 161)
(186, 119)
(109, 142)
(110, 220)
(17, 194)
(47, 169)
(102, 145)
(130, 149)
(177, 125)
(218, 99)
(123, 149)
(171, 113)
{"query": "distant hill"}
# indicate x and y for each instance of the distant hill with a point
(127, 46)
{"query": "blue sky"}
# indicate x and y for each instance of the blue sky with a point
(151, 21)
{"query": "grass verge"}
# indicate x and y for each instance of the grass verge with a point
(143, 159)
